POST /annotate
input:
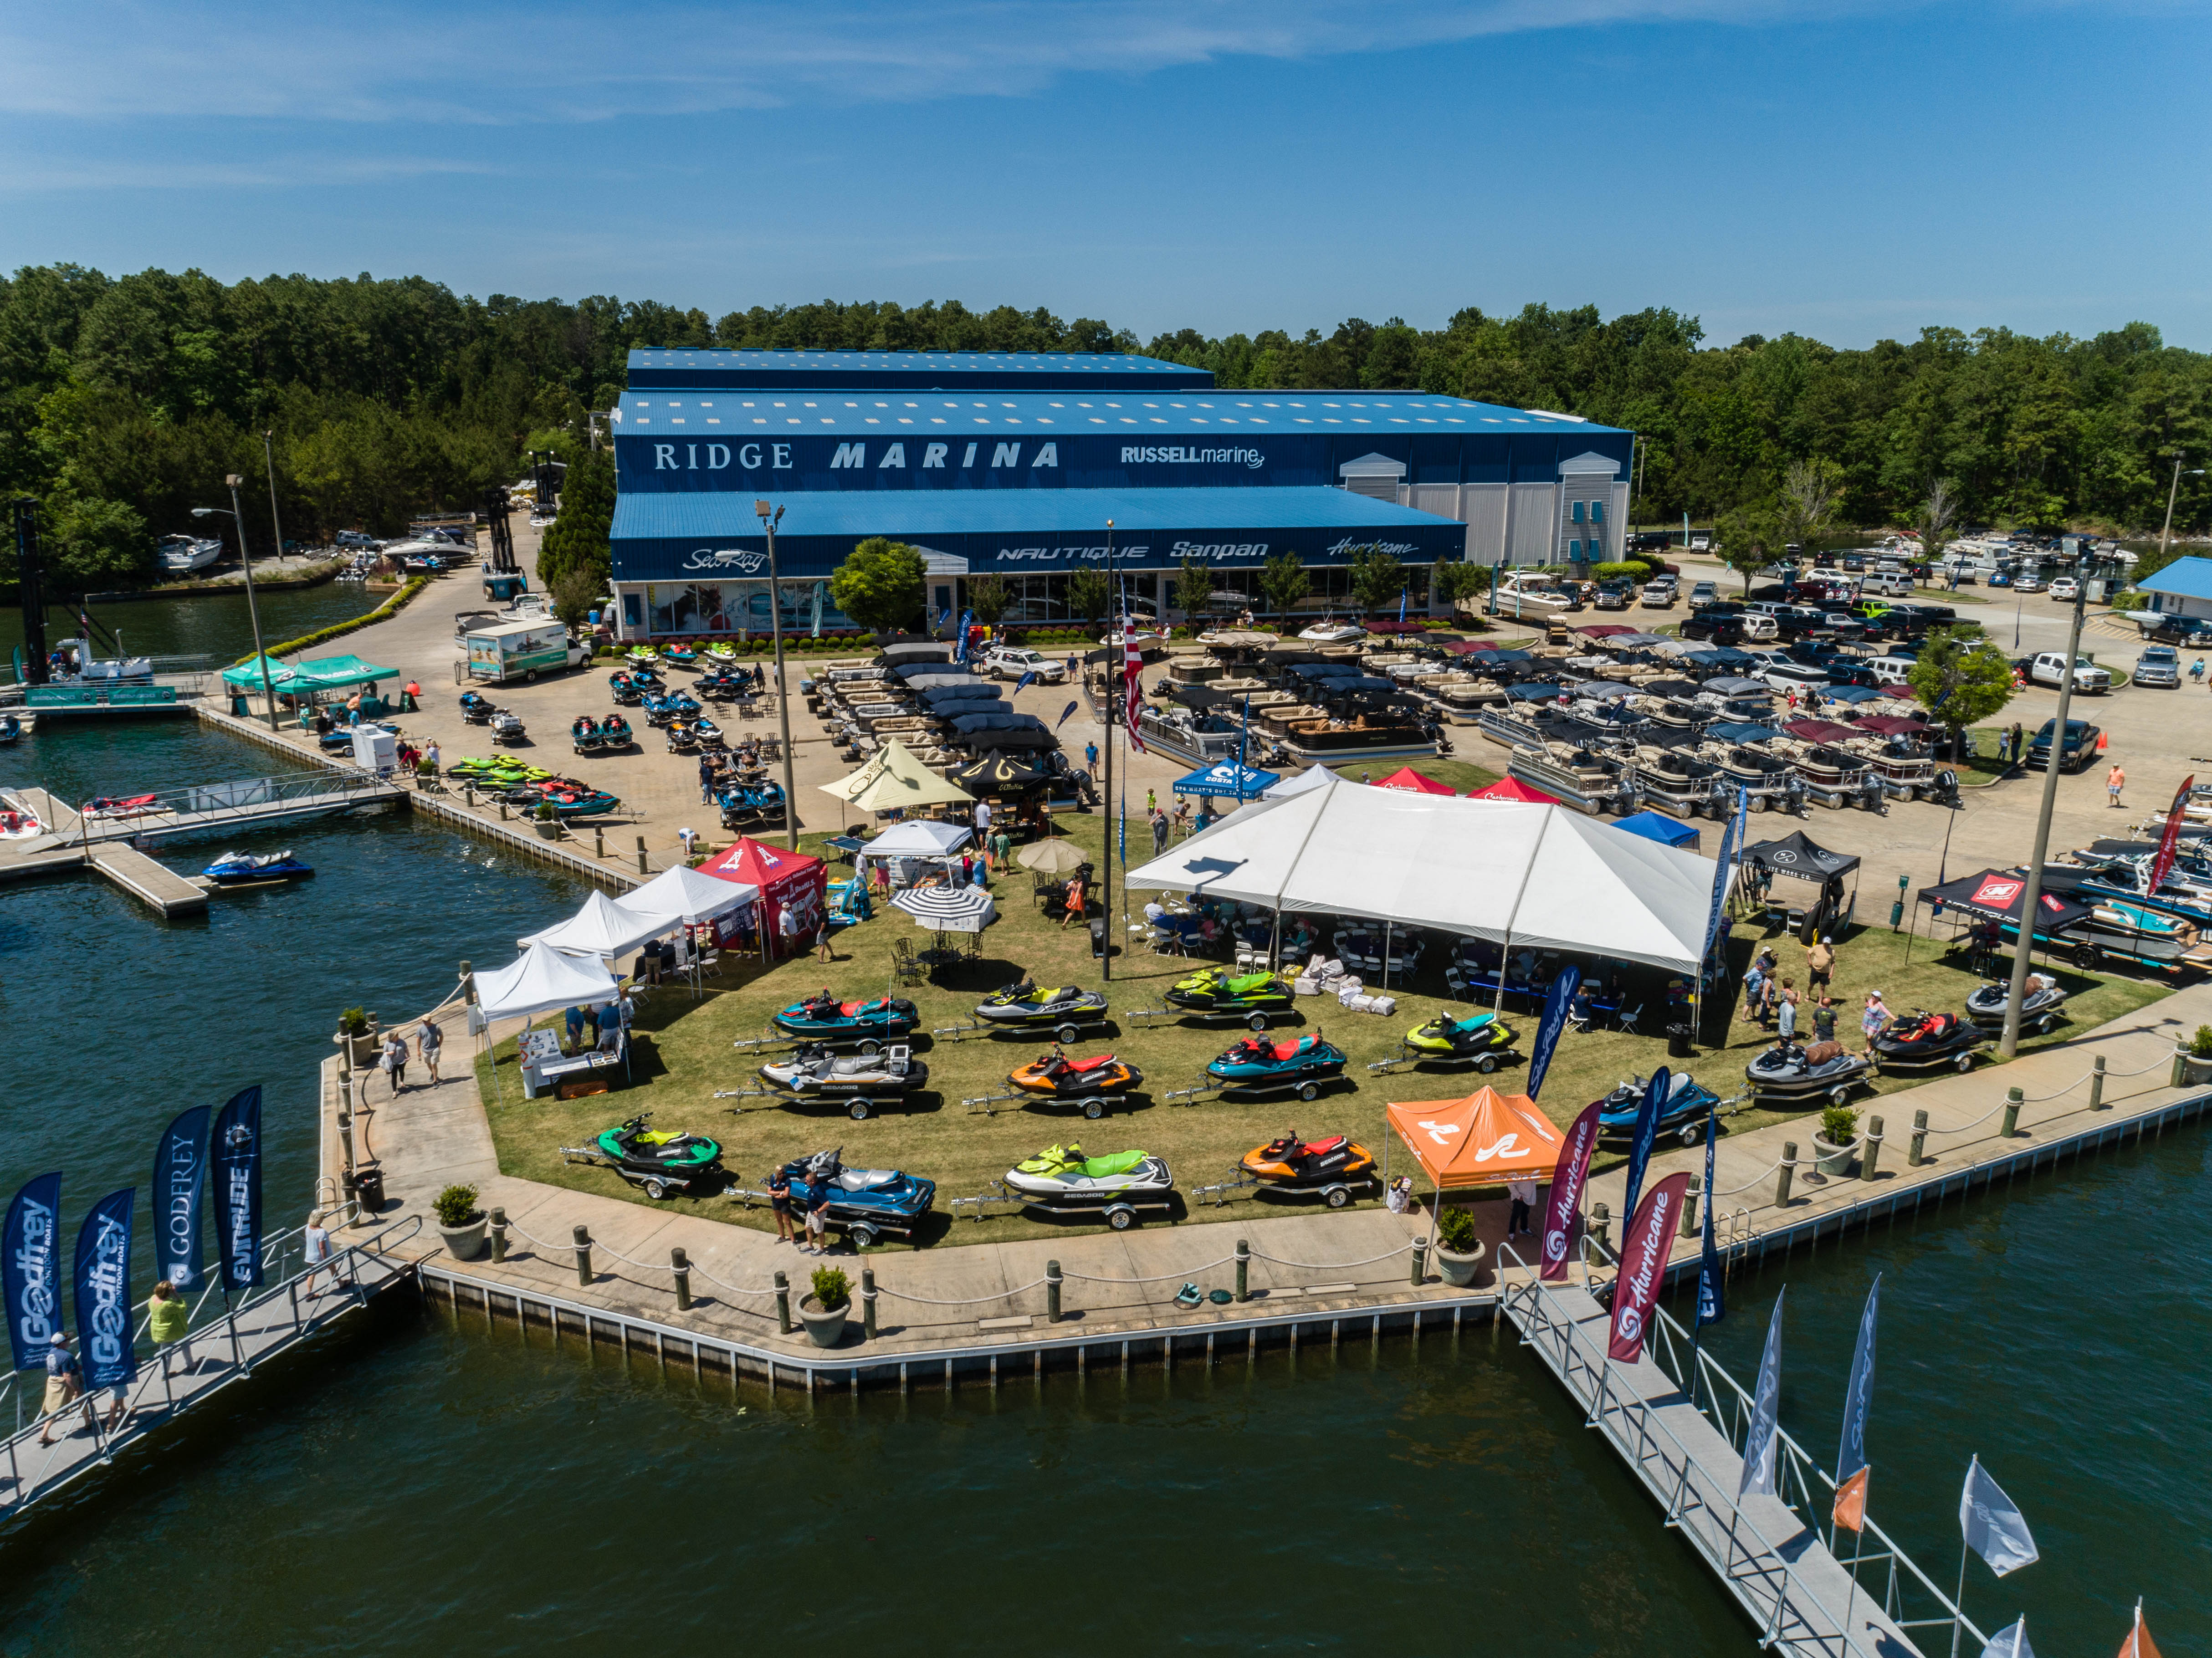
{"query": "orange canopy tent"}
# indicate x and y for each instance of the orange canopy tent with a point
(1413, 783)
(1483, 1139)
(1512, 788)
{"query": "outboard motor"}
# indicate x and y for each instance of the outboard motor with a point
(1793, 787)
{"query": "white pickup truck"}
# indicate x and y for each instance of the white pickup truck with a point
(2049, 668)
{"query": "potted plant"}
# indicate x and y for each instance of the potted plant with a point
(356, 1028)
(460, 1222)
(1835, 1147)
(824, 1311)
(1459, 1252)
(549, 822)
(2193, 1060)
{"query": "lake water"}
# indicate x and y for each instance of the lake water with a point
(427, 1485)
(212, 624)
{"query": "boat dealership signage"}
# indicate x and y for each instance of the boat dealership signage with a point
(30, 1269)
(180, 1175)
(235, 1151)
(103, 1291)
(1644, 1265)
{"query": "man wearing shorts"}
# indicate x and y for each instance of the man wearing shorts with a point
(817, 1215)
(779, 1203)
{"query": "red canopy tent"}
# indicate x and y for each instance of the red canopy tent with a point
(1512, 788)
(1413, 782)
(789, 882)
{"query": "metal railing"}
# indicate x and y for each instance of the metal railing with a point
(198, 804)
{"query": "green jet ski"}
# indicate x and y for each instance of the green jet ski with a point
(1220, 992)
(1480, 1041)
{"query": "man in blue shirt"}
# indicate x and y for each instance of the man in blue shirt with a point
(65, 1385)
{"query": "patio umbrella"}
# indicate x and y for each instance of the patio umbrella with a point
(948, 909)
(1053, 857)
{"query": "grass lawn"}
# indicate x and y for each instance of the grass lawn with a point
(685, 1055)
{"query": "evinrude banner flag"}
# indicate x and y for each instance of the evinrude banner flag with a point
(1555, 1007)
(2170, 840)
(180, 1177)
(235, 1151)
(1731, 844)
(1642, 1265)
(1646, 1130)
(103, 1291)
(1712, 1307)
(1569, 1177)
(30, 1269)
(1858, 1401)
(1760, 1441)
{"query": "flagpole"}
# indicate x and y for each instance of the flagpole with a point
(1113, 713)
(1958, 1600)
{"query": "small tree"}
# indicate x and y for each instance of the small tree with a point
(881, 585)
(576, 592)
(580, 538)
(1937, 515)
(1960, 680)
(1089, 595)
(1378, 577)
(1285, 582)
(1810, 492)
(1193, 586)
(990, 597)
(1746, 539)
(1460, 579)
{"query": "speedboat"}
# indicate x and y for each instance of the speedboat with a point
(660, 1161)
(1257, 1065)
(825, 1016)
(1062, 1181)
(1682, 1112)
(240, 868)
(813, 1070)
(1023, 1007)
(181, 554)
(1331, 1166)
(16, 824)
(1088, 1083)
(864, 1201)
(1481, 1040)
(1328, 631)
(1791, 1070)
(2039, 1003)
(1922, 1038)
(1219, 992)
(476, 708)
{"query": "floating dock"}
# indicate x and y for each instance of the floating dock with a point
(156, 885)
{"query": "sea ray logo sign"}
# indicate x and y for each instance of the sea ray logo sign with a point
(726, 559)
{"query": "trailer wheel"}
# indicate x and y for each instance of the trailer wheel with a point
(858, 1111)
(1309, 1090)
(1120, 1218)
(861, 1236)
(1094, 1109)
(1486, 1063)
(2087, 955)
(655, 1189)
(1066, 1033)
(1257, 1022)
(870, 1046)
(1838, 1095)
(2043, 1025)
(1336, 1197)
(1965, 1062)
(1689, 1136)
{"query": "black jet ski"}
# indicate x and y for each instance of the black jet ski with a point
(1792, 1070)
(1060, 1009)
(2040, 1001)
(1922, 1039)
(816, 1073)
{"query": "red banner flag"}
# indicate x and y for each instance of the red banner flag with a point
(1643, 1252)
(1133, 676)
(1849, 1509)
(2171, 840)
(2139, 1643)
(1568, 1180)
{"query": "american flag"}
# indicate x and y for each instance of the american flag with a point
(1133, 669)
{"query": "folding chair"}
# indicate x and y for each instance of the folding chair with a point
(1626, 1017)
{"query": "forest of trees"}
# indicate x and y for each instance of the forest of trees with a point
(123, 400)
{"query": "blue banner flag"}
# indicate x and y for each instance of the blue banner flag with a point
(103, 1293)
(1027, 679)
(1758, 1440)
(179, 1178)
(1731, 844)
(30, 1268)
(1859, 1402)
(1066, 714)
(1647, 1130)
(1557, 1005)
(960, 650)
(235, 1151)
(1711, 1309)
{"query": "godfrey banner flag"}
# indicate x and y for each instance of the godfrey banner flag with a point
(1555, 1008)
(1760, 1441)
(1711, 1309)
(180, 1177)
(1644, 1266)
(31, 1269)
(235, 1151)
(103, 1293)
(1858, 1401)
(1645, 1132)
(1568, 1178)
(2167, 843)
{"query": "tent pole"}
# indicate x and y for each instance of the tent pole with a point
(1386, 952)
(1504, 957)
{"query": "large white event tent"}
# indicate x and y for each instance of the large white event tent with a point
(541, 979)
(604, 926)
(682, 894)
(1546, 877)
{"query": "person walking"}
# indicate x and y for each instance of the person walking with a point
(168, 1315)
(1524, 1193)
(64, 1385)
(1152, 801)
(817, 1214)
(394, 1061)
(2196, 672)
(779, 1204)
(1824, 1020)
(982, 819)
(429, 1040)
(705, 780)
(1090, 760)
(822, 950)
(1820, 966)
(1873, 1018)
(1159, 831)
(2115, 781)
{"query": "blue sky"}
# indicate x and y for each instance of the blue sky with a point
(1850, 170)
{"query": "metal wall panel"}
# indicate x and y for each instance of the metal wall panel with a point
(1534, 530)
(1485, 522)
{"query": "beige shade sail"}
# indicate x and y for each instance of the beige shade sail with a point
(894, 780)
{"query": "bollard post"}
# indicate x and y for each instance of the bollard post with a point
(868, 1303)
(1052, 1292)
(498, 1236)
(503, 811)
(583, 1255)
(783, 1302)
(1244, 1268)
(1601, 1225)
(345, 1136)
(681, 1265)
(1782, 1175)
(1918, 1154)
(1690, 1205)
(1872, 1148)
(2014, 1100)
(599, 840)
(1420, 1265)
(2097, 1083)
(641, 854)
(469, 794)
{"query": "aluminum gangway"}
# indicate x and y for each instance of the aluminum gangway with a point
(196, 809)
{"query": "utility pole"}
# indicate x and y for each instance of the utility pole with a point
(2172, 489)
(770, 519)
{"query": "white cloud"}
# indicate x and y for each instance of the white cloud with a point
(30, 174)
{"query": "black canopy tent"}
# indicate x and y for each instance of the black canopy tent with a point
(998, 773)
(1797, 858)
(1994, 895)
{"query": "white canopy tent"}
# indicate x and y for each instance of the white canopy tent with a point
(1544, 876)
(918, 839)
(542, 979)
(685, 896)
(604, 926)
(1298, 782)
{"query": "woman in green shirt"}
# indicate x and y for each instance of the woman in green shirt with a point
(167, 1314)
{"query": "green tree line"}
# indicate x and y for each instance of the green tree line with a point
(123, 400)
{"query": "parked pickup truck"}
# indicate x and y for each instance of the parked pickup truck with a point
(2049, 668)
(2075, 755)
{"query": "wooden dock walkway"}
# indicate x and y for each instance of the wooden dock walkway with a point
(153, 884)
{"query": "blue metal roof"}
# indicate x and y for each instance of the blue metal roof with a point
(2185, 578)
(692, 368)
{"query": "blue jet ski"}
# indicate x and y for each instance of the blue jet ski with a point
(1258, 1065)
(244, 869)
(866, 1202)
(1683, 1110)
(826, 1016)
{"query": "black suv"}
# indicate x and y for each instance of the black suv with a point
(1721, 624)
(2074, 755)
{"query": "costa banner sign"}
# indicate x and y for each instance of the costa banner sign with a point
(1556, 1006)
(180, 1177)
(1644, 1266)
(1568, 1178)
(103, 1291)
(235, 1151)
(2171, 840)
(30, 1268)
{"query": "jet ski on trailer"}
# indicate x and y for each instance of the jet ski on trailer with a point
(657, 1160)
(1217, 992)
(867, 1022)
(1331, 1166)
(1062, 1010)
(1089, 1083)
(1682, 1112)
(2039, 1003)
(1922, 1039)
(865, 1202)
(1257, 1065)
(1791, 1071)
(1061, 1181)
(814, 1072)
(1480, 1039)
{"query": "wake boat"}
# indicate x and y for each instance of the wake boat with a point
(1259, 1066)
(1062, 1181)
(1792, 1070)
(1022, 1006)
(1331, 1166)
(813, 1072)
(1089, 1083)
(1329, 631)
(244, 869)
(865, 1202)
(2040, 1001)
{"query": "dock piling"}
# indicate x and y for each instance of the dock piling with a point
(641, 854)
(1873, 1148)
(1600, 1224)
(599, 840)
(681, 1268)
(2015, 1098)
(1690, 1205)
(868, 1303)
(1784, 1173)
(498, 1236)
(1414, 1274)
(583, 1255)
(2097, 1082)
(1243, 1271)
(1918, 1154)
(783, 1301)
(1052, 1281)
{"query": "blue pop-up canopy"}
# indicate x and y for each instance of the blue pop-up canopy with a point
(1655, 826)
(1243, 783)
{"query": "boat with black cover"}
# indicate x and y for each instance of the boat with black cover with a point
(1920, 1039)
(1792, 1070)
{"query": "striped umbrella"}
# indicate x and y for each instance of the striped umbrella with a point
(948, 909)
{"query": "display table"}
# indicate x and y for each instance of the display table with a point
(544, 1066)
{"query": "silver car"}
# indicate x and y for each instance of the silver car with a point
(2158, 665)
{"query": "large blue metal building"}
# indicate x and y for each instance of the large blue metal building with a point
(1024, 465)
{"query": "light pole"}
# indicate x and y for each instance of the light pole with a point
(769, 518)
(252, 605)
(2172, 489)
(1115, 692)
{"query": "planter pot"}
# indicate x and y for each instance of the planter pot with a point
(363, 1053)
(1458, 1270)
(1833, 1159)
(465, 1243)
(2189, 1070)
(549, 828)
(823, 1328)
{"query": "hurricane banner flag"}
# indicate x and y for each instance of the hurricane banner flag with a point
(2170, 840)
(1569, 1177)
(1763, 1438)
(1642, 1265)
(2010, 1642)
(31, 1269)
(1992, 1524)
(1066, 714)
(1132, 687)
(179, 1178)
(1557, 1005)
(1645, 1132)
(1858, 1401)
(103, 1291)
(1711, 1307)
(235, 1151)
